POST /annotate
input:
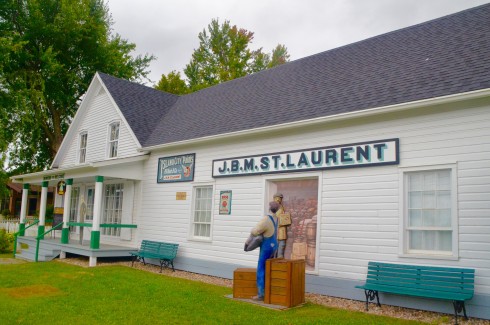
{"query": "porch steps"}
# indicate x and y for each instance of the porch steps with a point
(47, 251)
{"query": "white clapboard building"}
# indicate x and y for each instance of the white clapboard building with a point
(381, 149)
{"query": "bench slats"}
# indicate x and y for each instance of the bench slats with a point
(420, 292)
(427, 271)
(453, 283)
(416, 277)
(423, 275)
(387, 266)
(446, 283)
(165, 252)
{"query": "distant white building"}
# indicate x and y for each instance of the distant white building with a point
(381, 149)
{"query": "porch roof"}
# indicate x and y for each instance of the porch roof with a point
(123, 168)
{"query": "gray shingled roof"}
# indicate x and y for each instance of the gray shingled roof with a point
(143, 107)
(445, 56)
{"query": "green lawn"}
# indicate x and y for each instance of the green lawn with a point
(59, 293)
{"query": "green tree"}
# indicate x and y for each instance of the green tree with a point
(173, 83)
(49, 53)
(223, 55)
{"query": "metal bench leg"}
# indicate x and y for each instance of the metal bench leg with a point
(161, 265)
(464, 312)
(172, 262)
(458, 308)
(132, 260)
(371, 294)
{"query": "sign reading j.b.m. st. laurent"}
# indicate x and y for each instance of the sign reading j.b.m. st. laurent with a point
(364, 154)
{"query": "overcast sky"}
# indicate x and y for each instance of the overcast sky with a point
(169, 29)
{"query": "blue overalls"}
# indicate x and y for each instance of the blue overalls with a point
(267, 250)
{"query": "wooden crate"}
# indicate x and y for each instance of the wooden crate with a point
(284, 282)
(244, 283)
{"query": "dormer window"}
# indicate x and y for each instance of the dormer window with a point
(113, 139)
(82, 152)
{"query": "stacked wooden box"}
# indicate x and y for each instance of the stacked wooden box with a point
(285, 282)
(244, 283)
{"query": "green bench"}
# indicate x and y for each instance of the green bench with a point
(447, 283)
(164, 252)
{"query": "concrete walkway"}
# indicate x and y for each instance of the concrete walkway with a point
(4, 261)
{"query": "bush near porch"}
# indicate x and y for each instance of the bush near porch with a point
(6, 241)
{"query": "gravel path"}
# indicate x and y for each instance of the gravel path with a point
(385, 310)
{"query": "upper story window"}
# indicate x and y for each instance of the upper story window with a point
(82, 151)
(113, 139)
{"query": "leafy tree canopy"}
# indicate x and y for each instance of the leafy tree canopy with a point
(49, 53)
(223, 55)
(173, 83)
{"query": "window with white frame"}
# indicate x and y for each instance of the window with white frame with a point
(202, 212)
(82, 152)
(430, 220)
(113, 139)
(112, 212)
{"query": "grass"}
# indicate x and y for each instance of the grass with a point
(58, 293)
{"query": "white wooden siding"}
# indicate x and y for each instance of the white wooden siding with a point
(100, 112)
(359, 213)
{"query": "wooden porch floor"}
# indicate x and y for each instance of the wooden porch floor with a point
(52, 247)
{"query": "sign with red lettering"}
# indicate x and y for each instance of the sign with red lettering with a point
(225, 202)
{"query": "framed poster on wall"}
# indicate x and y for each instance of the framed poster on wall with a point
(225, 202)
(176, 168)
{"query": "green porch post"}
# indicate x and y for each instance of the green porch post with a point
(42, 210)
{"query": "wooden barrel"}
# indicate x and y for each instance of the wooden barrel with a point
(310, 252)
(311, 231)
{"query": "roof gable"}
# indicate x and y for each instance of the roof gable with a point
(96, 111)
(142, 107)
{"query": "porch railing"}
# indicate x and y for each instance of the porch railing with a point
(80, 224)
(18, 232)
(102, 225)
(41, 236)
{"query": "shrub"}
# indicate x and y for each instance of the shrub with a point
(5, 213)
(6, 241)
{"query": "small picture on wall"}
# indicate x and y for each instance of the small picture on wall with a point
(225, 202)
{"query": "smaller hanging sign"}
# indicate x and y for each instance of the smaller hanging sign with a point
(61, 187)
(225, 202)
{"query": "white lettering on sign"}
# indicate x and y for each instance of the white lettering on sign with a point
(373, 153)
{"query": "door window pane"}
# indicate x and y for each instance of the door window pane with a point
(112, 212)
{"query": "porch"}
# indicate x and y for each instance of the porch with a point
(50, 248)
